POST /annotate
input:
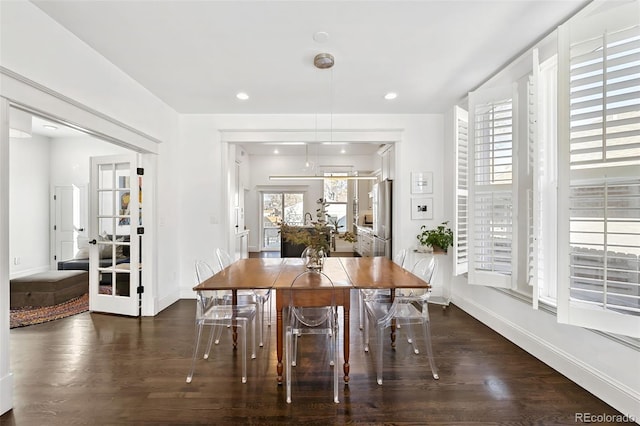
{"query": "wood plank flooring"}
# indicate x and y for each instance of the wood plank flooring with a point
(96, 369)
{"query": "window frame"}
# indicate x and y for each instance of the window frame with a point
(338, 203)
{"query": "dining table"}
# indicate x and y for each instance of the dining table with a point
(346, 274)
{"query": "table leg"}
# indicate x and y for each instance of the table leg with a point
(347, 308)
(234, 302)
(393, 321)
(279, 337)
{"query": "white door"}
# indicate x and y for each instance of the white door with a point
(115, 234)
(67, 221)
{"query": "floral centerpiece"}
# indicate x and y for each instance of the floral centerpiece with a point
(318, 239)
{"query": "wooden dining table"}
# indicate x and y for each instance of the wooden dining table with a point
(346, 273)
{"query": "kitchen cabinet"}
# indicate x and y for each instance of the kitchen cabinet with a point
(364, 245)
(242, 245)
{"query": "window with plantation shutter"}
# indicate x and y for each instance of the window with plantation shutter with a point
(600, 265)
(542, 245)
(461, 244)
(491, 195)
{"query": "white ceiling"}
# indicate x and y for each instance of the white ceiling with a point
(196, 55)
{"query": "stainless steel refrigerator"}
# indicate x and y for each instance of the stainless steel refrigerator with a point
(382, 202)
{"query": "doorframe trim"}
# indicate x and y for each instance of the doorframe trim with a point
(30, 96)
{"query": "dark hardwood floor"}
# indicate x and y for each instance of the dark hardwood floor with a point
(108, 370)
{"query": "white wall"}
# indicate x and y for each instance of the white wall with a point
(71, 158)
(200, 182)
(421, 150)
(29, 205)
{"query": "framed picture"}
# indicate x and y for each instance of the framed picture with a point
(421, 208)
(421, 182)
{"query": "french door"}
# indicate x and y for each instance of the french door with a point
(115, 234)
(278, 207)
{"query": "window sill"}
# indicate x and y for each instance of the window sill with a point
(549, 307)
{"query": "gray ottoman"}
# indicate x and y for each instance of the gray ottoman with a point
(48, 288)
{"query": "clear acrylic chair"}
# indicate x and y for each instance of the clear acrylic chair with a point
(213, 309)
(322, 320)
(409, 308)
(203, 271)
(309, 312)
(426, 269)
(365, 293)
(259, 297)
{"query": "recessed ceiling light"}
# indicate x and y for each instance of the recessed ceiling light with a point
(50, 126)
(275, 151)
(391, 95)
(342, 151)
(242, 96)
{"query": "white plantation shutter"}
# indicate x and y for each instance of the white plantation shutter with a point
(491, 195)
(461, 240)
(532, 162)
(599, 270)
(545, 183)
(604, 117)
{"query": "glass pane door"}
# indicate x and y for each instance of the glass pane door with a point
(116, 215)
(276, 208)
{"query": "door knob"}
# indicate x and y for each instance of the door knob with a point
(93, 241)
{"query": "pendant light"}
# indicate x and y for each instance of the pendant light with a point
(321, 61)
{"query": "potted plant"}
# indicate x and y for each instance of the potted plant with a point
(439, 239)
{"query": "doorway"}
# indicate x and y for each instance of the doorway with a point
(49, 229)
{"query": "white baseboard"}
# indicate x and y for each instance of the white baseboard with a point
(30, 271)
(618, 395)
(165, 302)
(6, 393)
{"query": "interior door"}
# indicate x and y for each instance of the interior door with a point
(115, 235)
(67, 221)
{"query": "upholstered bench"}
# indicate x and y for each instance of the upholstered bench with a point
(48, 288)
